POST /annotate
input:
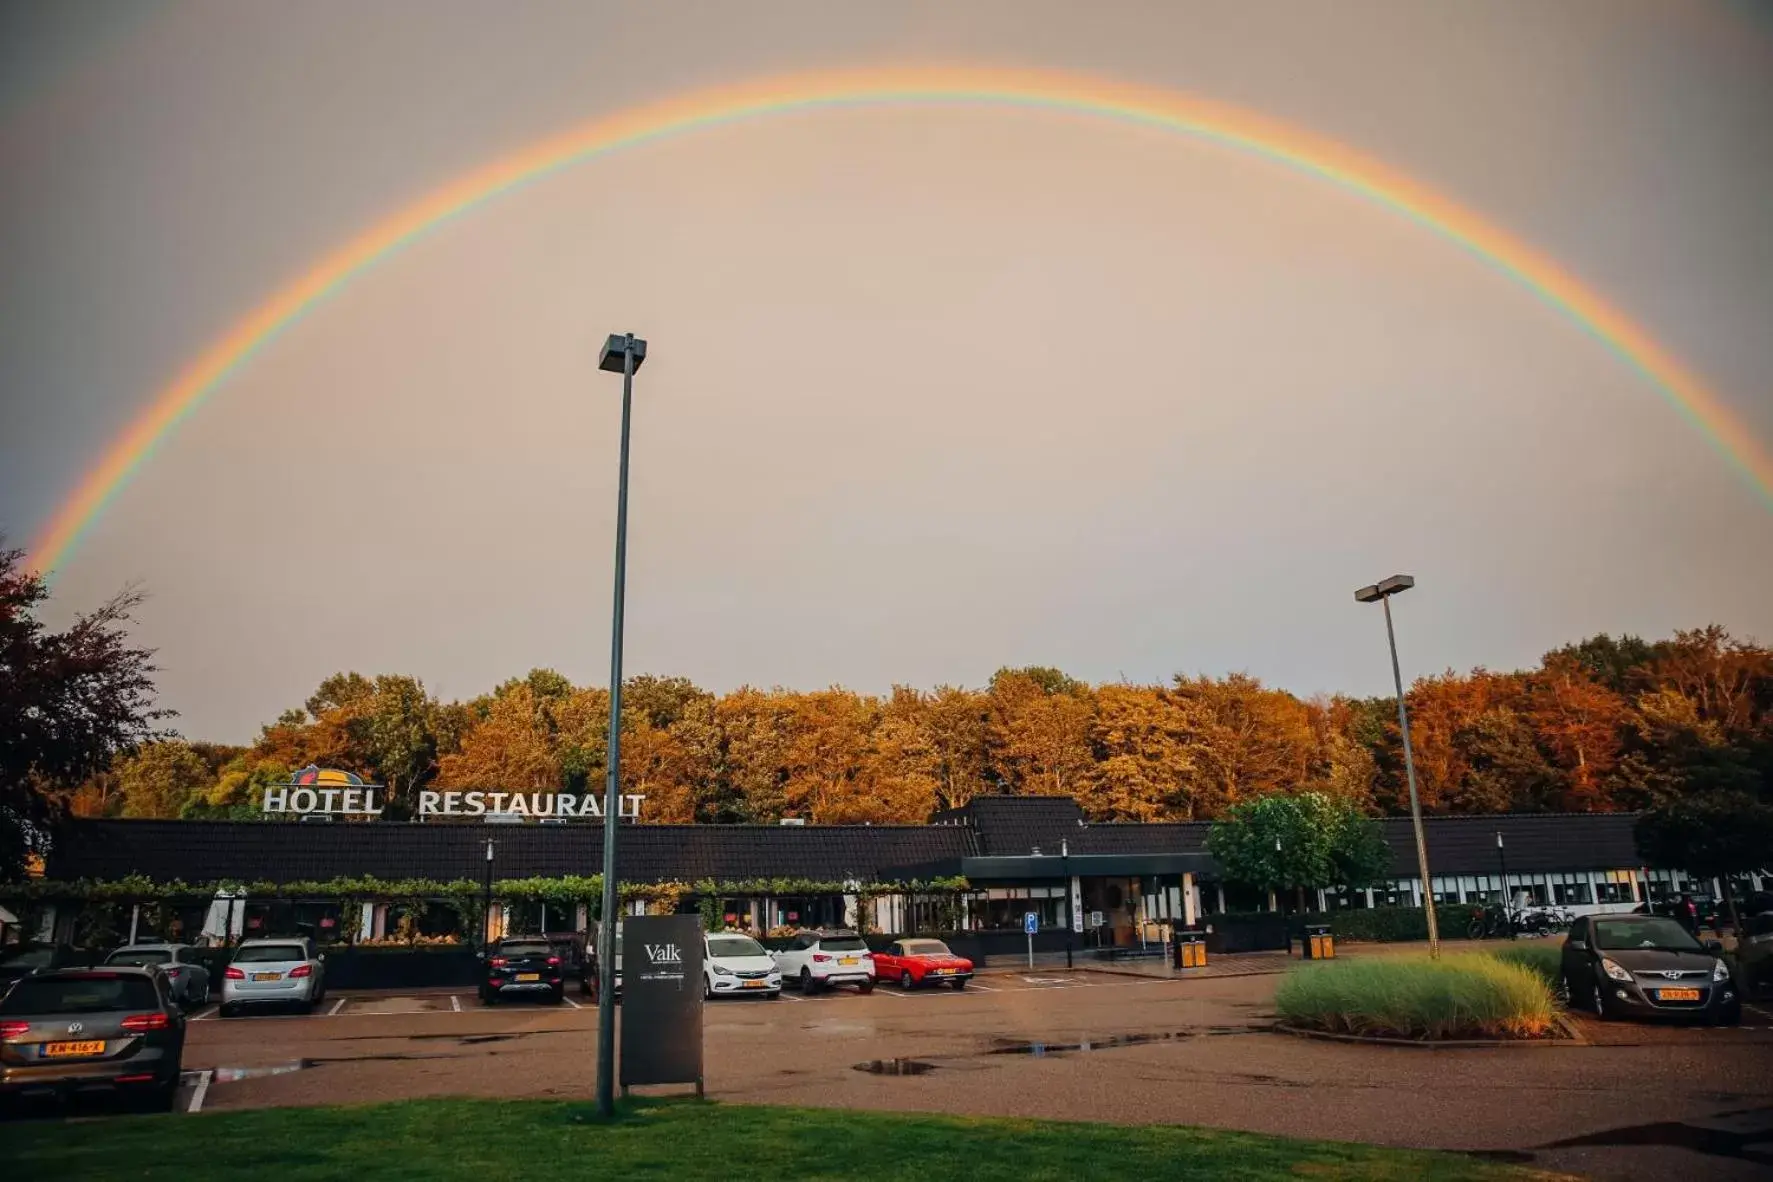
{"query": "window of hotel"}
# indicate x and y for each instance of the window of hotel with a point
(1613, 892)
(1571, 892)
(1004, 907)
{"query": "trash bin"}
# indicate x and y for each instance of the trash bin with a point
(1191, 949)
(1319, 943)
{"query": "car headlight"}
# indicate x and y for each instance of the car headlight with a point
(1613, 970)
(721, 970)
(1720, 972)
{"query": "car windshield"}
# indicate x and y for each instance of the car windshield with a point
(32, 958)
(926, 948)
(843, 944)
(734, 946)
(1643, 932)
(526, 950)
(80, 995)
(269, 953)
(141, 956)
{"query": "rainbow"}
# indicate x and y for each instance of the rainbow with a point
(1041, 91)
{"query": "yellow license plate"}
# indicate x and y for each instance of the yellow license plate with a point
(529, 976)
(1677, 995)
(267, 976)
(63, 1050)
(847, 960)
(755, 985)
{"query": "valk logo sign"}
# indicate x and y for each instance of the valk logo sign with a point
(317, 791)
(664, 954)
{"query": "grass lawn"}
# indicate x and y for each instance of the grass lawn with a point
(538, 1140)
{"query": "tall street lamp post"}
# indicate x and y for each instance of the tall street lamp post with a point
(622, 354)
(486, 907)
(1382, 592)
(1507, 905)
(1070, 914)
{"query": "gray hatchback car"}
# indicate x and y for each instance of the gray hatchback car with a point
(185, 972)
(69, 1031)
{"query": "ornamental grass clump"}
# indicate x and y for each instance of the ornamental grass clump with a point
(1474, 995)
(1546, 959)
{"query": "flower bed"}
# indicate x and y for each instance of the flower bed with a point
(1470, 996)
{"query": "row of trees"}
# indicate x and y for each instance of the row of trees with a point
(1603, 725)
(1682, 726)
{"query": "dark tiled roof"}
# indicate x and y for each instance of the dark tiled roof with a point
(1531, 843)
(206, 851)
(1011, 826)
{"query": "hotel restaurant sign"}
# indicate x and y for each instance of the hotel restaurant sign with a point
(326, 792)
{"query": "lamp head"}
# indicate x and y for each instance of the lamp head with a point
(1380, 590)
(615, 350)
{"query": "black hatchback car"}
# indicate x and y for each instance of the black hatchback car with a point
(1647, 966)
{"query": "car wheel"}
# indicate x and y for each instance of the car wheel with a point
(1730, 1015)
(707, 989)
(1597, 1002)
(559, 996)
(228, 1011)
(198, 1002)
(774, 995)
(159, 1097)
(959, 984)
(865, 986)
(806, 980)
(905, 981)
(490, 997)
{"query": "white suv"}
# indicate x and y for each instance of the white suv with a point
(272, 972)
(734, 963)
(819, 960)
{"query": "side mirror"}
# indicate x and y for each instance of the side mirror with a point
(1714, 945)
(1575, 943)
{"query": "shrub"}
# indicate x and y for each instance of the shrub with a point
(1547, 960)
(1474, 995)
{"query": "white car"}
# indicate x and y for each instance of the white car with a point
(818, 960)
(273, 972)
(734, 964)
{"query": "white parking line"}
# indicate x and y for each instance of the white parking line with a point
(786, 996)
(455, 1003)
(204, 1014)
(336, 1007)
(979, 989)
(563, 997)
(199, 1092)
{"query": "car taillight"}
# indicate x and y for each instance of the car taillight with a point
(820, 957)
(174, 971)
(553, 962)
(497, 962)
(302, 970)
(137, 1023)
(14, 1029)
(235, 974)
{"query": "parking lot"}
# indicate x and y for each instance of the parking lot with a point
(1085, 1045)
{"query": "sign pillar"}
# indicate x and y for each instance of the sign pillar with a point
(661, 1000)
(1030, 925)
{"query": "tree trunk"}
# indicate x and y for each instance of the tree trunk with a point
(1301, 900)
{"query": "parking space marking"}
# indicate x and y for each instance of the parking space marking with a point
(204, 1014)
(336, 1007)
(980, 989)
(455, 1003)
(786, 996)
(563, 997)
(199, 1092)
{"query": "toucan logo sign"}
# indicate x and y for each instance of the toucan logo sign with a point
(316, 791)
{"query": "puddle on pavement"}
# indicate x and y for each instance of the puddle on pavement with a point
(1041, 1050)
(236, 1074)
(895, 1067)
(1729, 1134)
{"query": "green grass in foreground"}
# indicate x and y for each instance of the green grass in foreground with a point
(540, 1140)
(1472, 995)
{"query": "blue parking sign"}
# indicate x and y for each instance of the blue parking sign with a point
(1031, 922)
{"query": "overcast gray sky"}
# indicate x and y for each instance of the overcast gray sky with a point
(930, 391)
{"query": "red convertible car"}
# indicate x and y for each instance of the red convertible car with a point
(922, 962)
